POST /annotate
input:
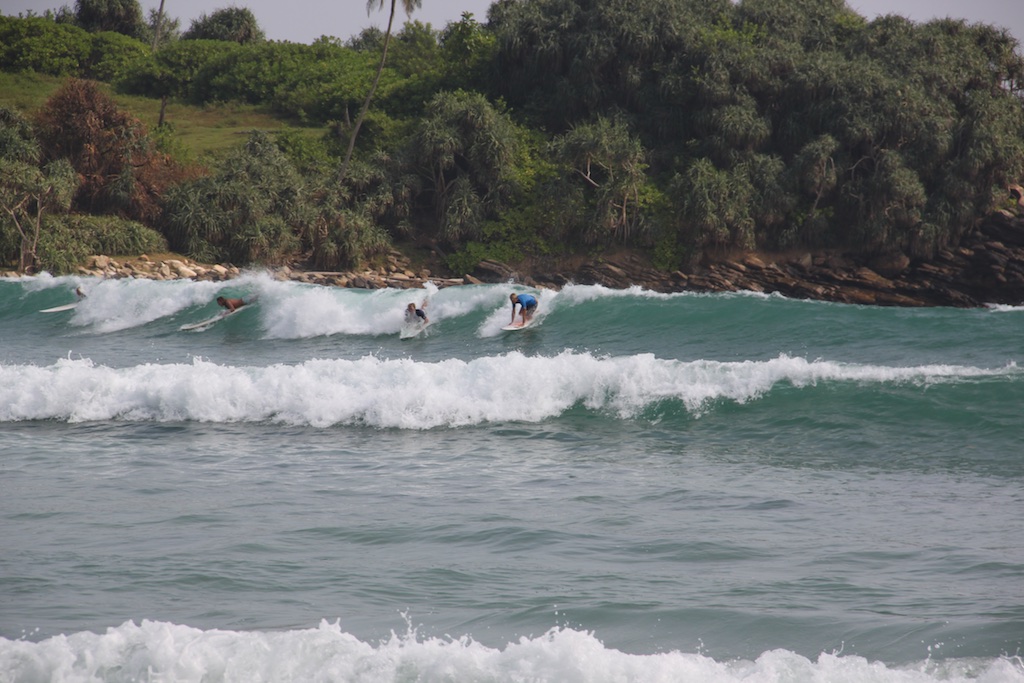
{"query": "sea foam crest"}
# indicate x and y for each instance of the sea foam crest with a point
(112, 305)
(159, 651)
(296, 310)
(403, 393)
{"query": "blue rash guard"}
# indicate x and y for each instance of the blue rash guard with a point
(526, 301)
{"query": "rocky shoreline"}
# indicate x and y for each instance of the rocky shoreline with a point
(987, 267)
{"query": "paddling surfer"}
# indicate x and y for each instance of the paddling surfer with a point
(528, 306)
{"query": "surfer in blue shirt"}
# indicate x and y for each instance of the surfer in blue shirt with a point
(528, 306)
(412, 313)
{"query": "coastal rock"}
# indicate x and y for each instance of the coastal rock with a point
(493, 271)
(890, 264)
(98, 262)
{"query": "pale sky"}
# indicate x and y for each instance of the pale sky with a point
(303, 21)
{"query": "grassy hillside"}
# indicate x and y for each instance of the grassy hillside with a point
(205, 132)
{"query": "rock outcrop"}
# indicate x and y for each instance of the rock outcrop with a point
(987, 267)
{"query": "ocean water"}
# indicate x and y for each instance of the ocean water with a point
(640, 487)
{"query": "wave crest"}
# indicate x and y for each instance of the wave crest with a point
(407, 394)
(154, 650)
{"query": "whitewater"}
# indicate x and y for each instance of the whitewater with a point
(640, 487)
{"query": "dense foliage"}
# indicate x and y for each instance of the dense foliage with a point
(29, 189)
(780, 123)
(251, 210)
(36, 195)
(118, 16)
(686, 125)
(40, 45)
(234, 24)
(119, 170)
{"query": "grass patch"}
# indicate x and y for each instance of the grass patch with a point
(207, 133)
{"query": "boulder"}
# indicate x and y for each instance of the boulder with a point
(890, 264)
(492, 271)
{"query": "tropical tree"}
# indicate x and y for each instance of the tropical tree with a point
(610, 163)
(162, 28)
(234, 24)
(28, 190)
(120, 16)
(715, 205)
(346, 231)
(409, 6)
(121, 172)
(250, 211)
(468, 49)
(467, 152)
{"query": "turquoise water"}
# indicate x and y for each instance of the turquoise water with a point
(640, 487)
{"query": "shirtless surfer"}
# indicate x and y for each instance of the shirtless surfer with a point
(230, 304)
(528, 306)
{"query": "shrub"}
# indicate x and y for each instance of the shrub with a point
(67, 240)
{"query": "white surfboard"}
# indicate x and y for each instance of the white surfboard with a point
(518, 326)
(55, 309)
(209, 321)
(411, 330)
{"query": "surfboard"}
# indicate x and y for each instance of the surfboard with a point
(412, 330)
(209, 321)
(518, 326)
(55, 309)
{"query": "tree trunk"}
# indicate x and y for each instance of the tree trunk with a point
(156, 32)
(369, 96)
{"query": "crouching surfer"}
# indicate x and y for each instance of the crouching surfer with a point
(528, 306)
(413, 314)
(231, 304)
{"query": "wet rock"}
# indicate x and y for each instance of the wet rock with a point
(890, 264)
(493, 271)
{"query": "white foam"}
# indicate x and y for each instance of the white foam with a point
(158, 651)
(1004, 308)
(294, 310)
(406, 394)
(118, 304)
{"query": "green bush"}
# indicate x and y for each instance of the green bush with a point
(67, 240)
(251, 211)
(173, 70)
(43, 46)
(112, 55)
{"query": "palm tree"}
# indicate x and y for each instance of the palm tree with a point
(409, 6)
